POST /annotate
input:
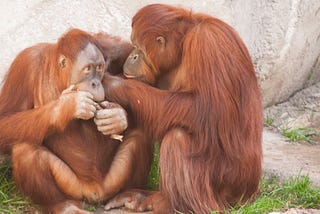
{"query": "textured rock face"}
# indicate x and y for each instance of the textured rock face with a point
(283, 36)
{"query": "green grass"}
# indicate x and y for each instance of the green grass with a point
(298, 134)
(11, 201)
(268, 121)
(153, 178)
(274, 196)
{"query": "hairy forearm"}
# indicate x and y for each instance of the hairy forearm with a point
(32, 125)
(149, 105)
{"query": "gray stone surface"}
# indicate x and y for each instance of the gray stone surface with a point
(283, 36)
(301, 110)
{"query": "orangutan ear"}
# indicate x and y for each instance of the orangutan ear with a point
(161, 41)
(62, 61)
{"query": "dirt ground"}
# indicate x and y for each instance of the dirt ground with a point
(284, 157)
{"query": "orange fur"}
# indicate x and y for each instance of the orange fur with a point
(57, 160)
(208, 115)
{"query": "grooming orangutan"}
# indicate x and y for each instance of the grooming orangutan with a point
(206, 112)
(47, 105)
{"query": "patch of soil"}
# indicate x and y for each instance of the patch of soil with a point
(284, 157)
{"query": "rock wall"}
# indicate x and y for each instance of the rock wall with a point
(283, 36)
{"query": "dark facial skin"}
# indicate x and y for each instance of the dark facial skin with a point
(87, 72)
(138, 67)
(133, 63)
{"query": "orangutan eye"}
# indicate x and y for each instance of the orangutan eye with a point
(100, 68)
(87, 69)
